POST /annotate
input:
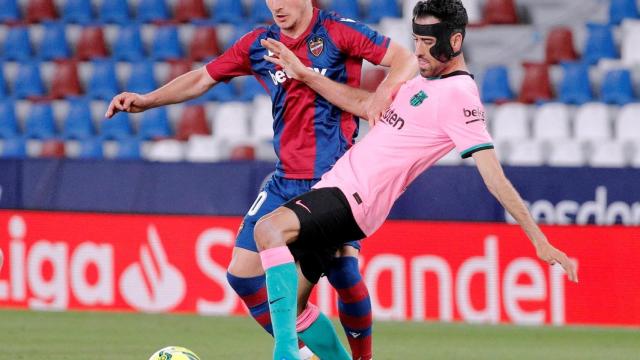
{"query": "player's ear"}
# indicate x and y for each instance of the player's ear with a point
(456, 42)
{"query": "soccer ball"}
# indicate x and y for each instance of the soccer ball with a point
(174, 353)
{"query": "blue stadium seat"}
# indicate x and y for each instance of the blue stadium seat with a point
(154, 124)
(250, 89)
(622, 9)
(600, 43)
(9, 10)
(238, 32)
(228, 12)
(8, 121)
(28, 81)
(118, 127)
(77, 11)
(379, 9)
(17, 45)
(54, 44)
(260, 13)
(495, 85)
(575, 87)
(166, 44)
(91, 148)
(346, 8)
(103, 83)
(129, 44)
(153, 10)
(14, 148)
(78, 123)
(142, 79)
(221, 92)
(115, 11)
(617, 87)
(40, 123)
(128, 149)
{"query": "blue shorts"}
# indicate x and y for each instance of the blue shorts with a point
(275, 192)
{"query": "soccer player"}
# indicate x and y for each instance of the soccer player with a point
(310, 135)
(432, 114)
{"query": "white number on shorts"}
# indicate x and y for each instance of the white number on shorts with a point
(258, 203)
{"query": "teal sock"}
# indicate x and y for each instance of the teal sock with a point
(322, 339)
(282, 290)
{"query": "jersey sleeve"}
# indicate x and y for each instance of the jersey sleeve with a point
(235, 61)
(357, 39)
(463, 120)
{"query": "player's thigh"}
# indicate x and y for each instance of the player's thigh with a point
(278, 228)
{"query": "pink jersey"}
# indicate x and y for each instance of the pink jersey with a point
(427, 119)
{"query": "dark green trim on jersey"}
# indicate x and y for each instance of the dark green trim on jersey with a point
(467, 153)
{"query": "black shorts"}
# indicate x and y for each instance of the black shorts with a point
(326, 223)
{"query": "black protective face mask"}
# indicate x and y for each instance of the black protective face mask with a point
(441, 50)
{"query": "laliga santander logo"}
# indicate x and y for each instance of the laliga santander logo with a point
(153, 284)
(65, 273)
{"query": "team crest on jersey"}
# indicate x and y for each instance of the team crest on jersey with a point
(418, 98)
(316, 46)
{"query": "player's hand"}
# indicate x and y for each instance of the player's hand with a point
(280, 55)
(549, 254)
(378, 104)
(127, 102)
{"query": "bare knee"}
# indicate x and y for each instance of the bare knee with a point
(245, 263)
(278, 228)
(268, 234)
(348, 250)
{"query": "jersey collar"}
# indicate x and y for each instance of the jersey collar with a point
(451, 74)
(290, 41)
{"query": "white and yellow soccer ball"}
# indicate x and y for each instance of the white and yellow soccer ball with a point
(174, 353)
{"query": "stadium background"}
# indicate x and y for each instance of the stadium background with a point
(139, 213)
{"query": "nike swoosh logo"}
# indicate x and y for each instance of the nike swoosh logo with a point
(354, 334)
(299, 202)
(276, 300)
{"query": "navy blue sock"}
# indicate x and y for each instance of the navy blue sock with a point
(253, 292)
(354, 305)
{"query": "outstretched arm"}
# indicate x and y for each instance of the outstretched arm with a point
(185, 87)
(503, 190)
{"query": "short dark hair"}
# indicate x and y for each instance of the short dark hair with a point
(447, 11)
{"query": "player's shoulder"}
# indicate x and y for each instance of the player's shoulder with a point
(331, 18)
(254, 35)
(459, 87)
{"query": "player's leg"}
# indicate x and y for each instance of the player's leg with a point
(315, 328)
(246, 277)
(354, 303)
(322, 218)
(272, 234)
(245, 273)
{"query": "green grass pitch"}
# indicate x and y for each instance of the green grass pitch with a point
(108, 336)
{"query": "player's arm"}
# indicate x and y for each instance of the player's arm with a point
(234, 62)
(347, 98)
(403, 66)
(352, 100)
(498, 184)
(185, 87)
